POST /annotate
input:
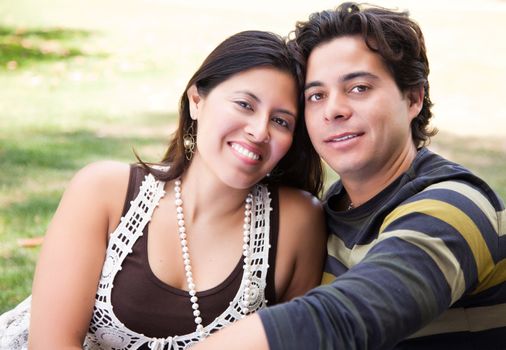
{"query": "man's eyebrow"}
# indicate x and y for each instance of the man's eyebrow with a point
(344, 78)
(313, 84)
(359, 74)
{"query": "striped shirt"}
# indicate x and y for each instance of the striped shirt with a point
(420, 266)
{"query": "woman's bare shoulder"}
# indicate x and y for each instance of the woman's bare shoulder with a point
(106, 182)
(298, 201)
(109, 176)
(301, 246)
(301, 215)
(104, 171)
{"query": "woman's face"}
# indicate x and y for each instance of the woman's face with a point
(245, 125)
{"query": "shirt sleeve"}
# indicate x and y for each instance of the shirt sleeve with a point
(429, 252)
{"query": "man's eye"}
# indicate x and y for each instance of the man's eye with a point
(315, 97)
(360, 88)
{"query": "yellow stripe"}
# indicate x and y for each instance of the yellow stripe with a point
(440, 254)
(327, 278)
(433, 246)
(337, 249)
(348, 257)
(455, 218)
(473, 195)
(497, 276)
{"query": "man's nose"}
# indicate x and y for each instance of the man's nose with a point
(337, 107)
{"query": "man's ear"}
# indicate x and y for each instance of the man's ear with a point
(194, 100)
(415, 97)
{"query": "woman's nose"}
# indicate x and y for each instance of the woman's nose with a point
(258, 129)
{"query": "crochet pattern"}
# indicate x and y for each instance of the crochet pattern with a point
(107, 332)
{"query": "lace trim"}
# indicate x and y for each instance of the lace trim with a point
(107, 332)
(14, 326)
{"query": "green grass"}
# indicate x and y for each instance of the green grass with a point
(20, 47)
(45, 141)
(93, 80)
(25, 219)
(62, 109)
(485, 156)
(35, 169)
(36, 165)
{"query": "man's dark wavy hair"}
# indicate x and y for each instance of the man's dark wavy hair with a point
(391, 34)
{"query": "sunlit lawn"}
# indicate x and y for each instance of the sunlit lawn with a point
(64, 103)
(74, 94)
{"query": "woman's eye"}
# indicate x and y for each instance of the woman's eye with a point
(281, 122)
(245, 105)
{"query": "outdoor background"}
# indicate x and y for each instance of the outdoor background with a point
(90, 80)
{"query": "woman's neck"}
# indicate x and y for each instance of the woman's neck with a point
(206, 197)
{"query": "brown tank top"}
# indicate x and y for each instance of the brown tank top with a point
(147, 305)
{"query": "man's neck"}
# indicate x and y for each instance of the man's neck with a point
(360, 189)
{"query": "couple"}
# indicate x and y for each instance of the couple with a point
(416, 244)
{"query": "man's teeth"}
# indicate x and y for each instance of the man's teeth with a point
(245, 152)
(347, 137)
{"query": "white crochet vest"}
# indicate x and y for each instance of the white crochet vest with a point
(107, 332)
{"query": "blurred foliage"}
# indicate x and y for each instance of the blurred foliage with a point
(72, 96)
(67, 104)
(21, 47)
(36, 166)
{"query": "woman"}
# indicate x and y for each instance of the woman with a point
(234, 182)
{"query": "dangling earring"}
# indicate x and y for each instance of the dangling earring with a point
(189, 142)
(274, 174)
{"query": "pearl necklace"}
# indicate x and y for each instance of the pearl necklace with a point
(245, 303)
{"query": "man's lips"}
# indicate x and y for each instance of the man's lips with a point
(343, 137)
(246, 151)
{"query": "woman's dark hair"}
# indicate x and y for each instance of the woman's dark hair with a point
(301, 166)
(391, 34)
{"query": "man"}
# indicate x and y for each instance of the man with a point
(417, 244)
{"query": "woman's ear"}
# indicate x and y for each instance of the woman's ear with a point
(194, 100)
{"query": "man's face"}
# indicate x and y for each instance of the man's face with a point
(357, 118)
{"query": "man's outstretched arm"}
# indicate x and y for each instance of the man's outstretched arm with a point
(406, 279)
(373, 306)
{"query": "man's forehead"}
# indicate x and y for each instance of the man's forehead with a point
(344, 57)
